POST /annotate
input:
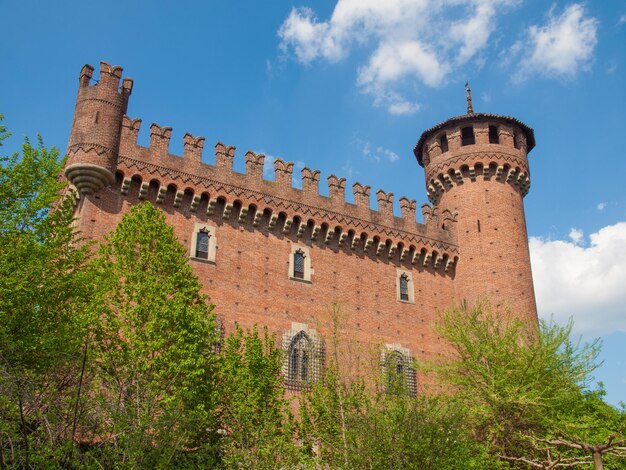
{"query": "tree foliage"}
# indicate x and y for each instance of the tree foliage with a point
(256, 417)
(154, 365)
(43, 289)
(517, 381)
(354, 424)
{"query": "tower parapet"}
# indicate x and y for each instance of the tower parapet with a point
(95, 137)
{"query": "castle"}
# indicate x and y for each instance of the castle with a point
(270, 254)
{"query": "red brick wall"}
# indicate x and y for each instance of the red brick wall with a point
(355, 251)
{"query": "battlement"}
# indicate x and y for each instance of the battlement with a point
(189, 179)
(110, 77)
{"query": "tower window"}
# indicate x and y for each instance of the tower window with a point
(494, 138)
(443, 143)
(517, 141)
(467, 136)
(404, 287)
(202, 244)
(298, 264)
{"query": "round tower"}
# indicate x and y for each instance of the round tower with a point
(95, 136)
(477, 166)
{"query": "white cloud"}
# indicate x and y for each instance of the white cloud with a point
(560, 48)
(622, 19)
(375, 153)
(391, 156)
(408, 41)
(349, 170)
(601, 206)
(585, 282)
(576, 235)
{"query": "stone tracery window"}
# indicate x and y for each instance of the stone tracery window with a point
(304, 359)
(300, 353)
(398, 371)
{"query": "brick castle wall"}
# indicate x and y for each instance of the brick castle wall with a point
(356, 254)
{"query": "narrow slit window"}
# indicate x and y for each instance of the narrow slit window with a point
(202, 244)
(298, 264)
(443, 143)
(404, 287)
(516, 140)
(494, 138)
(467, 136)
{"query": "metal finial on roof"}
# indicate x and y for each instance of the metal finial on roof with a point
(468, 93)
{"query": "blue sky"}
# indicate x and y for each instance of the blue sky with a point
(348, 86)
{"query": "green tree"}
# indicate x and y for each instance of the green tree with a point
(259, 427)
(153, 360)
(347, 424)
(43, 288)
(520, 384)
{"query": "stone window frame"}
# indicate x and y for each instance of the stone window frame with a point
(308, 270)
(393, 352)
(316, 359)
(211, 230)
(410, 286)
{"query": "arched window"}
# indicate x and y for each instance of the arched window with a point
(467, 136)
(298, 264)
(202, 243)
(494, 138)
(404, 287)
(300, 360)
(304, 357)
(443, 143)
(399, 374)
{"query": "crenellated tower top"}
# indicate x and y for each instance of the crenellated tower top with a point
(95, 137)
